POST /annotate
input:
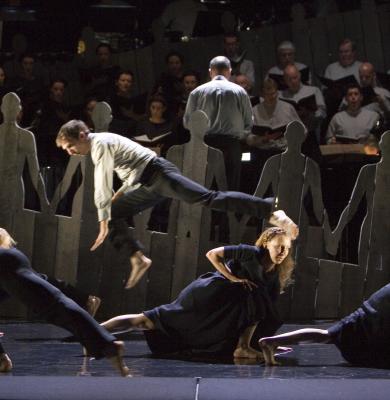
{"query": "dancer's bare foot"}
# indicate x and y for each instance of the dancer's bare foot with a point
(241, 352)
(5, 363)
(139, 265)
(268, 348)
(117, 360)
(281, 220)
(93, 304)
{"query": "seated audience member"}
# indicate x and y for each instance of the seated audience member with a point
(30, 87)
(4, 88)
(346, 64)
(239, 64)
(100, 79)
(375, 98)
(345, 69)
(243, 81)
(169, 85)
(155, 131)
(307, 100)
(286, 56)
(123, 105)
(52, 114)
(270, 119)
(86, 112)
(354, 124)
(190, 81)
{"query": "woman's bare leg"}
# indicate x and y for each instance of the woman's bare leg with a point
(243, 349)
(307, 335)
(128, 322)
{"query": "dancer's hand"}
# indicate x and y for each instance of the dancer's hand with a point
(102, 234)
(246, 283)
(116, 196)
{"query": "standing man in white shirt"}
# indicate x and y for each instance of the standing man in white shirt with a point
(147, 180)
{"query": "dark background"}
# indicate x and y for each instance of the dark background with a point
(57, 24)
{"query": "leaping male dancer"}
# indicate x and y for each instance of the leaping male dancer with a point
(147, 180)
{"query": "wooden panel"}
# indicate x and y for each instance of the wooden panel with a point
(371, 36)
(319, 47)
(384, 26)
(282, 32)
(304, 291)
(378, 266)
(191, 223)
(328, 292)
(267, 50)
(301, 34)
(335, 32)
(160, 275)
(351, 289)
(45, 243)
(353, 30)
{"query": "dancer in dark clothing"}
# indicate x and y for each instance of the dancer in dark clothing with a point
(220, 311)
(18, 279)
(147, 181)
(363, 337)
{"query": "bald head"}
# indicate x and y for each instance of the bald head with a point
(367, 74)
(220, 65)
(292, 78)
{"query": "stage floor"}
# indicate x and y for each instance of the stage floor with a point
(42, 361)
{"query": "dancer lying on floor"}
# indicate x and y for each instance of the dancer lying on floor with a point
(147, 181)
(19, 280)
(220, 311)
(363, 337)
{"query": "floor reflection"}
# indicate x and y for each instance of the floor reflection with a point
(38, 350)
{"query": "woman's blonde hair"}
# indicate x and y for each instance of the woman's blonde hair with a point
(286, 267)
(3, 235)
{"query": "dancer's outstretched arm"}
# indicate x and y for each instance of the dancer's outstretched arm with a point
(128, 322)
(300, 336)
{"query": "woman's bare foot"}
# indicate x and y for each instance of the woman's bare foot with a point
(281, 220)
(93, 304)
(5, 363)
(117, 360)
(241, 352)
(139, 265)
(268, 348)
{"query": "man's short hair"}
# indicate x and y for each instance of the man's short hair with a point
(231, 35)
(176, 54)
(348, 41)
(268, 84)
(71, 130)
(352, 86)
(220, 63)
(124, 72)
(286, 45)
(56, 80)
(191, 73)
(102, 45)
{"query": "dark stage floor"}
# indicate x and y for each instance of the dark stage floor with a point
(45, 367)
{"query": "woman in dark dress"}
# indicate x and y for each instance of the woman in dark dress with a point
(220, 311)
(363, 337)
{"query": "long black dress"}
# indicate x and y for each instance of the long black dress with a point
(363, 337)
(211, 313)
